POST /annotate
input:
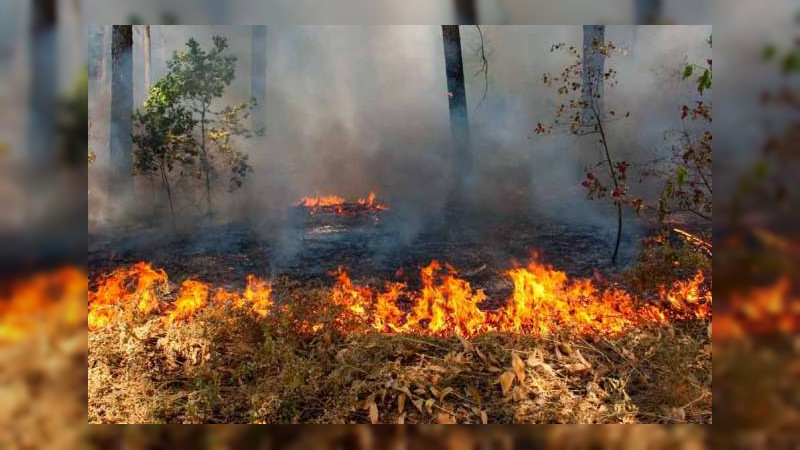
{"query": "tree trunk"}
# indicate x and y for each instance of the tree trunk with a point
(146, 49)
(466, 12)
(43, 82)
(457, 96)
(593, 68)
(258, 76)
(647, 12)
(121, 108)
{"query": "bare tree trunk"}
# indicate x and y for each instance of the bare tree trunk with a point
(457, 97)
(146, 47)
(466, 12)
(593, 67)
(43, 82)
(258, 75)
(121, 108)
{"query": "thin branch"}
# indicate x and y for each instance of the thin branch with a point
(484, 67)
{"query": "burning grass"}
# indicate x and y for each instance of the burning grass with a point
(560, 351)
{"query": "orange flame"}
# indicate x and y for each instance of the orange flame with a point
(137, 285)
(766, 310)
(340, 206)
(49, 299)
(136, 290)
(192, 297)
(542, 302)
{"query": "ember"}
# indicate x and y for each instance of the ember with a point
(543, 301)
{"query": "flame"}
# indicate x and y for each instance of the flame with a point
(766, 310)
(542, 302)
(136, 289)
(339, 206)
(192, 297)
(316, 202)
(137, 285)
(52, 299)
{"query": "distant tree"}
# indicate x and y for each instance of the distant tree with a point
(163, 136)
(580, 112)
(121, 106)
(457, 99)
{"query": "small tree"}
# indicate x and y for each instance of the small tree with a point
(163, 135)
(580, 112)
(201, 77)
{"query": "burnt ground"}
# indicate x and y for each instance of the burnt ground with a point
(373, 247)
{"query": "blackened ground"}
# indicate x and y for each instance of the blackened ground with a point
(373, 248)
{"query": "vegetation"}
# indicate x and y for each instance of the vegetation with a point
(179, 126)
(581, 113)
(226, 364)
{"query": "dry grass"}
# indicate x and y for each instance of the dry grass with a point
(227, 367)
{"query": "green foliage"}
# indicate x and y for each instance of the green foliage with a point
(178, 126)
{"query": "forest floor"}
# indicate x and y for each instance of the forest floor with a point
(225, 365)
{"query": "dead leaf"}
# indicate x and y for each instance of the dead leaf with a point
(519, 367)
(484, 418)
(506, 380)
(445, 418)
(401, 402)
(373, 413)
(429, 405)
(418, 404)
(402, 419)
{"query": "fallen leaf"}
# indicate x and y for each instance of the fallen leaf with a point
(519, 367)
(429, 405)
(444, 418)
(484, 418)
(402, 419)
(373, 413)
(506, 379)
(401, 402)
(418, 404)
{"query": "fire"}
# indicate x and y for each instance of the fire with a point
(50, 299)
(766, 310)
(135, 288)
(542, 302)
(317, 202)
(339, 206)
(192, 297)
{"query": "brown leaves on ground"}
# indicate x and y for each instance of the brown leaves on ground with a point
(217, 369)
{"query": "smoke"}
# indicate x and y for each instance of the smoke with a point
(354, 109)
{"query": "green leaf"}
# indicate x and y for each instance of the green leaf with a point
(769, 52)
(680, 176)
(688, 71)
(791, 63)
